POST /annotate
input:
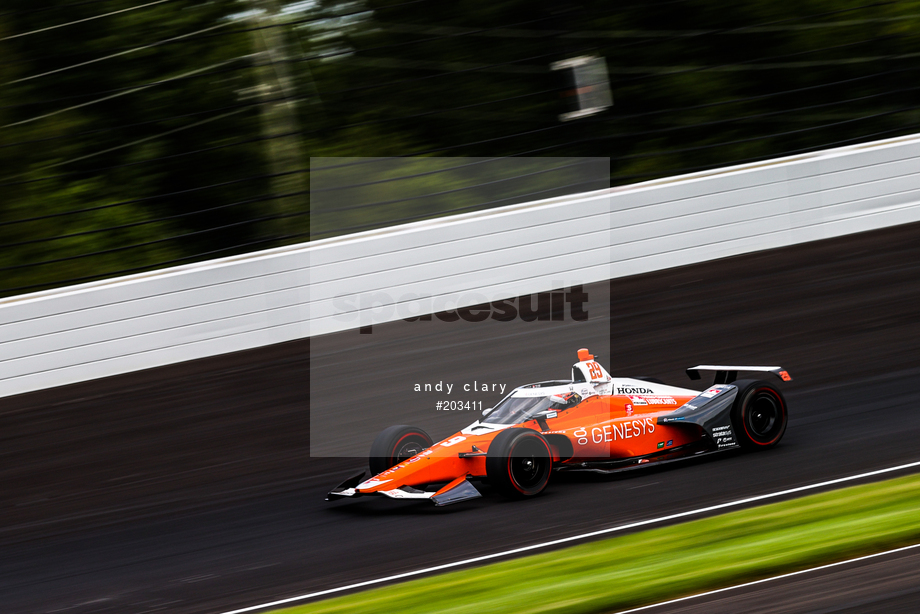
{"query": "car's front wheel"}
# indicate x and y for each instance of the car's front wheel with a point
(395, 444)
(519, 462)
(759, 414)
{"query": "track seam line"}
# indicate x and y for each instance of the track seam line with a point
(582, 536)
(764, 580)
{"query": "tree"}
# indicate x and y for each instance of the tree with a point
(137, 117)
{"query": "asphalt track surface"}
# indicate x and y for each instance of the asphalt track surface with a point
(190, 488)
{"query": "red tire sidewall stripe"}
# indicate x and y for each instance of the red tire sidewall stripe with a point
(510, 458)
(395, 448)
(782, 407)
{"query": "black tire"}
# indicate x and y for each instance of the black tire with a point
(759, 414)
(519, 462)
(396, 444)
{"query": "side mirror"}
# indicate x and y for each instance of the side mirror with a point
(546, 413)
(487, 411)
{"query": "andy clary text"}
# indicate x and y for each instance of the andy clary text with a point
(474, 386)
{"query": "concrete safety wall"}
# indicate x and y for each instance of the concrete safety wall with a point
(115, 326)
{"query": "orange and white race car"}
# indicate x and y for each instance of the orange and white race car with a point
(593, 422)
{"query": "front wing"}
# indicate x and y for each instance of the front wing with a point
(458, 490)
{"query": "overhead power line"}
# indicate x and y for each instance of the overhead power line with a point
(115, 55)
(455, 210)
(122, 248)
(784, 153)
(279, 99)
(157, 220)
(241, 247)
(85, 19)
(339, 210)
(752, 63)
(676, 150)
(507, 32)
(132, 90)
(55, 7)
(284, 24)
(202, 122)
(143, 199)
(796, 90)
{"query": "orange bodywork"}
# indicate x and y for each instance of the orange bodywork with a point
(604, 427)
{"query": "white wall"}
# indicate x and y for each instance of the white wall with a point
(105, 328)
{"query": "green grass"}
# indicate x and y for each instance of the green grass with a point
(664, 563)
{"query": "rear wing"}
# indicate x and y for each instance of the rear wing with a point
(727, 374)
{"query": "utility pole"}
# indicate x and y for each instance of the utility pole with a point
(276, 86)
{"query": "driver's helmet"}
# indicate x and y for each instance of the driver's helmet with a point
(564, 400)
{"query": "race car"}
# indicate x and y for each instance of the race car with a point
(593, 422)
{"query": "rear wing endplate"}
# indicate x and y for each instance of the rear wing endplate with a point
(726, 374)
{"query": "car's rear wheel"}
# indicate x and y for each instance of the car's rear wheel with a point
(519, 462)
(759, 414)
(395, 444)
